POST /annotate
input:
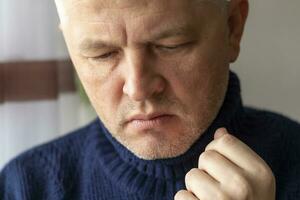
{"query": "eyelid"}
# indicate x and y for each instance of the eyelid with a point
(168, 46)
(173, 46)
(104, 56)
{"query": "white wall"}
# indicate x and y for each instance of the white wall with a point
(29, 31)
(269, 64)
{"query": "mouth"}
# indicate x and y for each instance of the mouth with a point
(145, 117)
(142, 122)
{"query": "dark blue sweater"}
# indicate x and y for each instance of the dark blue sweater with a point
(89, 164)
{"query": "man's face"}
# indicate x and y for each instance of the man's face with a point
(156, 71)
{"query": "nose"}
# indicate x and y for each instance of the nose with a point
(142, 78)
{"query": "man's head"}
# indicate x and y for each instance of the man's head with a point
(156, 71)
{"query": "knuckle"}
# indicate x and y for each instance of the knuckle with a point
(206, 155)
(180, 195)
(202, 158)
(227, 139)
(242, 189)
(260, 168)
(189, 176)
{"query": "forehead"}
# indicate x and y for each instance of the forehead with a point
(101, 9)
(123, 22)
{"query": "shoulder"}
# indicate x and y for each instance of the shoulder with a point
(44, 167)
(273, 126)
(280, 122)
(278, 141)
(51, 152)
(274, 136)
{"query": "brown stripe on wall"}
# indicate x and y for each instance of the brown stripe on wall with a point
(35, 80)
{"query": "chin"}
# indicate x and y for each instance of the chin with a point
(163, 142)
(154, 154)
(154, 148)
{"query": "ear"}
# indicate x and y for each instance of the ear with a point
(237, 16)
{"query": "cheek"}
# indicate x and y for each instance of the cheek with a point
(108, 96)
(189, 74)
(105, 93)
(195, 80)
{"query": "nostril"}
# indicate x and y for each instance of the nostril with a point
(159, 85)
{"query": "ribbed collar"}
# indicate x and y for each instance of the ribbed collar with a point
(165, 176)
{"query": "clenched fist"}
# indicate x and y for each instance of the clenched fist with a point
(229, 170)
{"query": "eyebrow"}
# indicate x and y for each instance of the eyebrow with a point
(88, 44)
(177, 31)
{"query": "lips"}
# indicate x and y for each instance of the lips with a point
(147, 117)
(155, 121)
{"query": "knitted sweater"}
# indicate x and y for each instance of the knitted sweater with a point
(89, 164)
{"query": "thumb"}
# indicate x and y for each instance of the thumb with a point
(220, 132)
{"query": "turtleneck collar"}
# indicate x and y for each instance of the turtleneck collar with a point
(163, 176)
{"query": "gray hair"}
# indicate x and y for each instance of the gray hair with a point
(64, 17)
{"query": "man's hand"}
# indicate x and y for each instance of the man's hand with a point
(228, 169)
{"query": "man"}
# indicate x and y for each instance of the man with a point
(171, 121)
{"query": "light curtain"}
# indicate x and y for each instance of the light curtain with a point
(38, 100)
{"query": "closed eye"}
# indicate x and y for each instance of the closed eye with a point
(104, 57)
(168, 47)
(172, 47)
(107, 55)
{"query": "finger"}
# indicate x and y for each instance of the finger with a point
(232, 178)
(201, 184)
(236, 151)
(220, 132)
(218, 166)
(184, 195)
